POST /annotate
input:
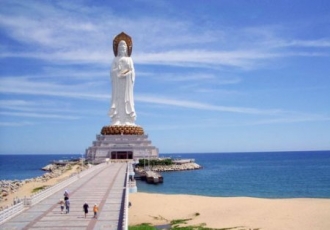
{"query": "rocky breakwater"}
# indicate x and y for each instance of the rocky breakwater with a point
(172, 167)
(9, 186)
(176, 167)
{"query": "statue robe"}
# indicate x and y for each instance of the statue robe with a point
(122, 109)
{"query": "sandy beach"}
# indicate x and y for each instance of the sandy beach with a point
(231, 212)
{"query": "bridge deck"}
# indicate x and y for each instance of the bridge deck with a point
(103, 186)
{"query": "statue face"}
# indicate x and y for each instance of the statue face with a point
(122, 48)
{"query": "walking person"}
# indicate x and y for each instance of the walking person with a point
(66, 195)
(61, 203)
(85, 206)
(67, 206)
(95, 210)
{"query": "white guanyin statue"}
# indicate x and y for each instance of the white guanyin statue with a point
(122, 111)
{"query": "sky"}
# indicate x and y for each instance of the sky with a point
(211, 76)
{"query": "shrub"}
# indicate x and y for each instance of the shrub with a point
(154, 162)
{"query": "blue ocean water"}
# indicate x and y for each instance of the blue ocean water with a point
(265, 175)
(22, 167)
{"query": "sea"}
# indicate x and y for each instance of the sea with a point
(300, 174)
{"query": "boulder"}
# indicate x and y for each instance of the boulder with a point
(49, 167)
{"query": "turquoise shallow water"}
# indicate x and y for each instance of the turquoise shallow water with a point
(268, 175)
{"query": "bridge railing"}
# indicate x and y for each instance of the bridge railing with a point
(123, 213)
(125, 226)
(131, 181)
(11, 211)
(14, 210)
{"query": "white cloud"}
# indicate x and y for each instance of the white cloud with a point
(28, 87)
(88, 74)
(174, 77)
(244, 59)
(196, 77)
(292, 119)
(64, 35)
(319, 43)
(40, 106)
(39, 115)
(204, 106)
(15, 124)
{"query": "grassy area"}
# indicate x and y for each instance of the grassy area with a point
(37, 189)
(175, 225)
(142, 227)
(195, 227)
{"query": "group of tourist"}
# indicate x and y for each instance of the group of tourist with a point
(66, 203)
(95, 209)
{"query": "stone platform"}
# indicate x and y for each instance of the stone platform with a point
(119, 147)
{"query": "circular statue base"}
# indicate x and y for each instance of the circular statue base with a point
(122, 130)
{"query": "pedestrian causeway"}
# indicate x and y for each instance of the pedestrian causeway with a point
(104, 186)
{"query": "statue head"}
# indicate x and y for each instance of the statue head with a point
(122, 49)
(122, 37)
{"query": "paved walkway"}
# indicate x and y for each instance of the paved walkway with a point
(104, 186)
